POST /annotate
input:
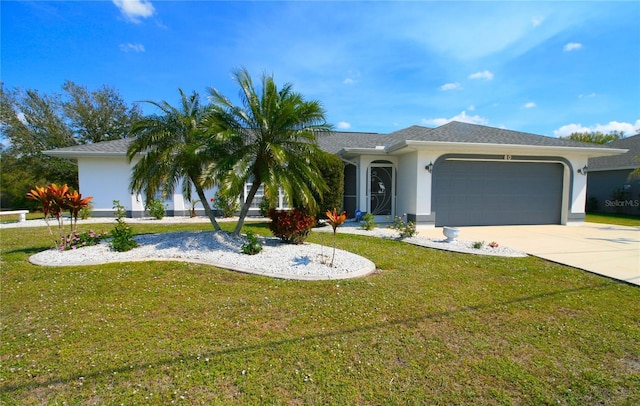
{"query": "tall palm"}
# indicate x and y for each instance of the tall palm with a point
(173, 150)
(269, 140)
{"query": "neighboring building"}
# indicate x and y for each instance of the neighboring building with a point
(457, 174)
(610, 186)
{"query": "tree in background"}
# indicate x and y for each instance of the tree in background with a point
(595, 137)
(99, 115)
(270, 139)
(32, 122)
(173, 150)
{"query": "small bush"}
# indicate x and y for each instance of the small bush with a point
(291, 226)
(227, 205)
(121, 237)
(368, 222)
(406, 230)
(156, 208)
(85, 212)
(478, 244)
(267, 203)
(253, 244)
(84, 239)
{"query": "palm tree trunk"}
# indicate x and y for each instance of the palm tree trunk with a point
(207, 208)
(245, 207)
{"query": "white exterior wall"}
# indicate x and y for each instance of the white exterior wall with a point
(578, 188)
(106, 180)
(408, 184)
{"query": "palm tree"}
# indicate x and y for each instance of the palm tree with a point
(270, 139)
(173, 150)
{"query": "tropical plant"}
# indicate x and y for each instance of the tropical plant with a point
(368, 222)
(253, 244)
(291, 226)
(406, 229)
(122, 235)
(270, 140)
(335, 220)
(227, 205)
(54, 200)
(173, 150)
(156, 208)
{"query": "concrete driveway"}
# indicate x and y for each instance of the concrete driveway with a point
(605, 249)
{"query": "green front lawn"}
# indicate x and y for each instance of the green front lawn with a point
(618, 219)
(430, 327)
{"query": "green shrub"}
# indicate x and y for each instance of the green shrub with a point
(291, 226)
(332, 169)
(267, 203)
(478, 244)
(227, 205)
(253, 244)
(84, 239)
(156, 208)
(406, 229)
(121, 237)
(368, 222)
(85, 212)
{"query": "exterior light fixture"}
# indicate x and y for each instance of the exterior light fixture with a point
(583, 170)
(429, 167)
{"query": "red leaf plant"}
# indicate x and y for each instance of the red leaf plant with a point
(335, 220)
(54, 200)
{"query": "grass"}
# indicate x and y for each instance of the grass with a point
(618, 219)
(430, 327)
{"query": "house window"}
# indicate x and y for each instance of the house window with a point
(281, 203)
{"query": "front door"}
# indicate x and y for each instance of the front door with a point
(381, 189)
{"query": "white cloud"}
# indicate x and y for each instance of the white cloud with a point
(572, 46)
(352, 78)
(485, 74)
(451, 86)
(133, 10)
(536, 21)
(462, 117)
(582, 96)
(343, 125)
(129, 47)
(627, 128)
(529, 105)
(471, 108)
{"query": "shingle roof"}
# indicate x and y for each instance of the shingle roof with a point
(114, 147)
(336, 141)
(479, 134)
(628, 160)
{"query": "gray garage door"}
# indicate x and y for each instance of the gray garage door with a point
(471, 193)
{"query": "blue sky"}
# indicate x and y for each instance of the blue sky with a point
(542, 67)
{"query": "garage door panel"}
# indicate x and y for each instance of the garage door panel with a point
(494, 193)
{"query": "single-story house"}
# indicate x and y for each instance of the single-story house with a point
(610, 186)
(456, 174)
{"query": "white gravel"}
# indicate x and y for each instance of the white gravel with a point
(305, 261)
(383, 231)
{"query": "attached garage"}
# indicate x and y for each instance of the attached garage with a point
(477, 193)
